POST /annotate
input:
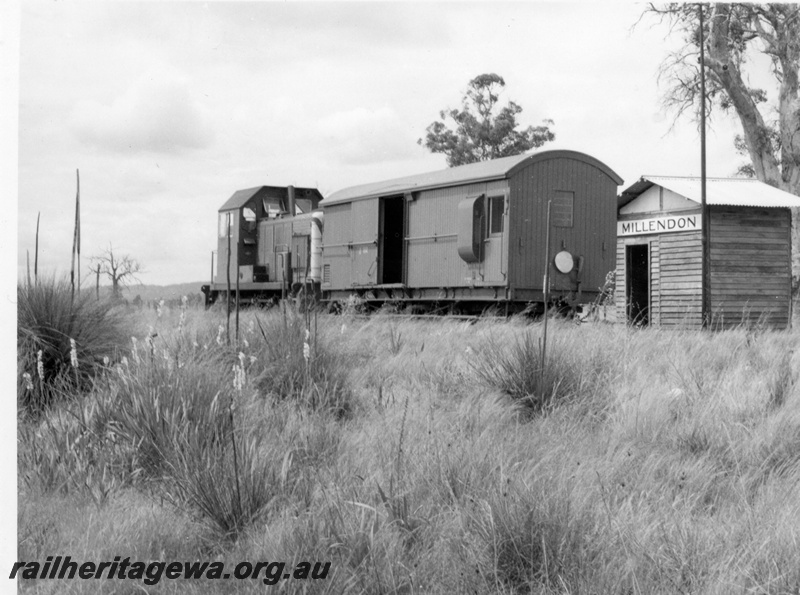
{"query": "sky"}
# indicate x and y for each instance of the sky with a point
(168, 108)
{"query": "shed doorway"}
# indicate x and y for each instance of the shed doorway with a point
(392, 239)
(637, 259)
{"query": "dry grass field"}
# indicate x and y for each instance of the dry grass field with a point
(418, 456)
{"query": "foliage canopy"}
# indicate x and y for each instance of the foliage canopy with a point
(482, 129)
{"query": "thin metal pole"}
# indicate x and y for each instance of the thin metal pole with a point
(704, 233)
(228, 273)
(546, 287)
(237, 306)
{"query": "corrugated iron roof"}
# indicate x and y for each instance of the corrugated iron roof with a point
(482, 171)
(738, 192)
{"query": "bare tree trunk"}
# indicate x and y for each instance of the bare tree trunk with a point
(36, 253)
(76, 236)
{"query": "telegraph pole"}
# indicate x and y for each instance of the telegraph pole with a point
(705, 283)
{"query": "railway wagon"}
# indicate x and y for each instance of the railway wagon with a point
(264, 244)
(474, 235)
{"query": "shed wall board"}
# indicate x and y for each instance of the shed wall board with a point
(750, 266)
(681, 277)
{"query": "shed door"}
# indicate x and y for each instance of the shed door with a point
(637, 284)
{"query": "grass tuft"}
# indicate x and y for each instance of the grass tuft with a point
(515, 368)
(54, 333)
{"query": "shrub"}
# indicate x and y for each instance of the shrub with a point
(49, 319)
(159, 393)
(229, 484)
(516, 369)
(299, 365)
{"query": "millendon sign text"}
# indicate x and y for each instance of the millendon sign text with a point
(659, 225)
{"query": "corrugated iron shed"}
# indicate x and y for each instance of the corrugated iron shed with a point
(483, 171)
(737, 192)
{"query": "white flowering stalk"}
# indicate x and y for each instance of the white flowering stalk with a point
(106, 361)
(28, 381)
(238, 377)
(184, 299)
(219, 334)
(73, 353)
(135, 349)
(307, 347)
(159, 308)
(40, 365)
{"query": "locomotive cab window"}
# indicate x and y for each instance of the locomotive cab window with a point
(496, 207)
(272, 208)
(225, 223)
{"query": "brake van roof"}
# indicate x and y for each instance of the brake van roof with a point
(482, 171)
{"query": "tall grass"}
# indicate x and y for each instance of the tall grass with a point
(48, 320)
(298, 363)
(515, 366)
(655, 462)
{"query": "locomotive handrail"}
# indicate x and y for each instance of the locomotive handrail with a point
(433, 237)
(350, 244)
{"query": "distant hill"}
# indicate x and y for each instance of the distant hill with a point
(149, 293)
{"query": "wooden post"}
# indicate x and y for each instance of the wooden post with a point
(704, 233)
(228, 295)
(546, 288)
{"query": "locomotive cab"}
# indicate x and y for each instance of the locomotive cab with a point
(263, 243)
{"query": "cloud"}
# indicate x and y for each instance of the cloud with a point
(156, 114)
(361, 136)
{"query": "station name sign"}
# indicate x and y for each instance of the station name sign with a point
(637, 227)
